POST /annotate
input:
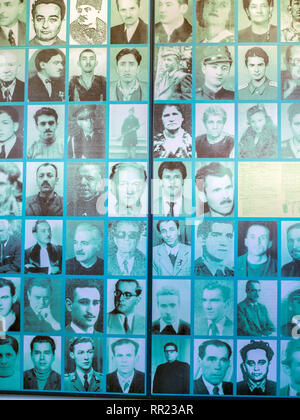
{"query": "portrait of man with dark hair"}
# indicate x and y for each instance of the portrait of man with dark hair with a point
(10, 246)
(9, 363)
(11, 136)
(10, 305)
(290, 365)
(12, 28)
(292, 232)
(290, 148)
(291, 31)
(291, 328)
(172, 25)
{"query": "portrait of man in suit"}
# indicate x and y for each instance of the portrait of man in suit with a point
(213, 309)
(11, 142)
(44, 256)
(292, 268)
(10, 199)
(172, 25)
(292, 327)
(214, 362)
(48, 84)
(11, 87)
(124, 256)
(10, 247)
(132, 30)
(124, 319)
(172, 257)
(9, 372)
(125, 378)
(290, 366)
(172, 377)
(10, 306)
(12, 29)
(168, 304)
(83, 306)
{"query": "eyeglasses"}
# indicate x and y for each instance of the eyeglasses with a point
(127, 295)
(122, 235)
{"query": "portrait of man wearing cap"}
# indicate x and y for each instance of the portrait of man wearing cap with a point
(172, 25)
(88, 28)
(215, 65)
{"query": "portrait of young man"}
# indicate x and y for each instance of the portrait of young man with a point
(12, 65)
(290, 147)
(9, 363)
(12, 28)
(291, 239)
(290, 368)
(171, 24)
(11, 132)
(291, 30)
(9, 305)
(290, 307)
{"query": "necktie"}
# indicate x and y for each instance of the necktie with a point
(48, 85)
(171, 212)
(213, 329)
(168, 330)
(11, 38)
(2, 153)
(6, 95)
(86, 384)
(126, 326)
(126, 386)
(125, 264)
(216, 390)
(172, 258)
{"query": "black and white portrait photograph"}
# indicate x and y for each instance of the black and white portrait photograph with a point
(127, 248)
(172, 189)
(11, 177)
(129, 74)
(214, 307)
(43, 246)
(257, 249)
(289, 368)
(256, 367)
(173, 73)
(13, 23)
(173, 21)
(85, 193)
(10, 295)
(213, 367)
(44, 189)
(126, 306)
(290, 306)
(290, 72)
(42, 305)
(172, 131)
(215, 21)
(48, 22)
(290, 249)
(170, 303)
(10, 246)
(83, 364)
(290, 130)
(171, 252)
(127, 195)
(215, 73)
(88, 22)
(126, 358)
(10, 351)
(11, 132)
(87, 126)
(129, 140)
(258, 73)
(46, 75)
(215, 130)
(170, 368)
(45, 132)
(258, 131)
(257, 308)
(12, 75)
(257, 21)
(290, 21)
(85, 247)
(214, 248)
(84, 306)
(129, 22)
(87, 74)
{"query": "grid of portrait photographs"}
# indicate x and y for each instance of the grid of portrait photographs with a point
(150, 197)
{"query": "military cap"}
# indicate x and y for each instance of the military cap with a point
(170, 51)
(216, 54)
(256, 108)
(85, 111)
(94, 3)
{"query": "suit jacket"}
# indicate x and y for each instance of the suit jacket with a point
(162, 265)
(11, 256)
(33, 324)
(37, 91)
(53, 382)
(186, 209)
(32, 256)
(172, 378)
(74, 267)
(200, 388)
(73, 383)
(201, 326)
(18, 94)
(114, 326)
(140, 36)
(17, 150)
(35, 206)
(243, 388)
(138, 269)
(285, 391)
(137, 385)
(183, 328)
(22, 36)
(253, 322)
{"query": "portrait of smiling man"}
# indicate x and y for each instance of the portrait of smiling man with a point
(12, 29)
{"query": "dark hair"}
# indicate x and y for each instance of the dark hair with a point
(59, 3)
(124, 341)
(216, 343)
(12, 341)
(43, 339)
(39, 282)
(79, 340)
(171, 344)
(10, 284)
(71, 285)
(138, 2)
(214, 169)
(126, 51)
(166, 221)
(294, 294)
(37, 223)
(292, 347)
(205, 227)
(255, 345)
(294, 226)
(48, 164)
(138, 289)
(11, 111)
(257, 52)
(50, 112)
(172, 166)
(199, 14)
(249, 282)
(246, 4)
(44, 56)
(293, 110)
(87, 50)
(179, 108)
(225, 290)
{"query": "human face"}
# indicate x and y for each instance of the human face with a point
(168, 306)
(129, 12)
(88, 179)
(216, 12)
(5, 188)
(215, 364)
(126, 305)
(4, 235)
(293, 65)
(126, 237)
(88, 62)
(8, 127)
(259, 11)
(256, 67)
(86, 123)
(47, 21)
(213, 304)
(257, 122)
(219, 241)
(253, 292)
(171, 62)
(170, 11)
(256, 365)
(215, 74)
(83, 355)
(293, 243)
(9, 12)
(170, 353)
(85, 307)
(125, 358)
(46, 125)
(128, 68)
(172, 118)
(219, 194)
(169, 233)
(257, 240)
(54, 68)
(6, 301)
(9, 66)
(43, 234)
(85, 246)
(294, 368)
(42, 356)
(130, 186)
(7, 360)
(294, 306)
(295, 126)
(46, 179)
(39, 298)
(294, 9)
(172, 183)
(214, 125)
(87, 15)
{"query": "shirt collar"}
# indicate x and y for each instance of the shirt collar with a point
(174, 250)
(210, 387)
(213, 266)
(219, 324)
(177, 206)
(124, 381)
(253, 385)
(129, 319)
(258, 89)
(15, 30)
(81, 374)
(78, 330)
(131, 30)
(163, 325)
